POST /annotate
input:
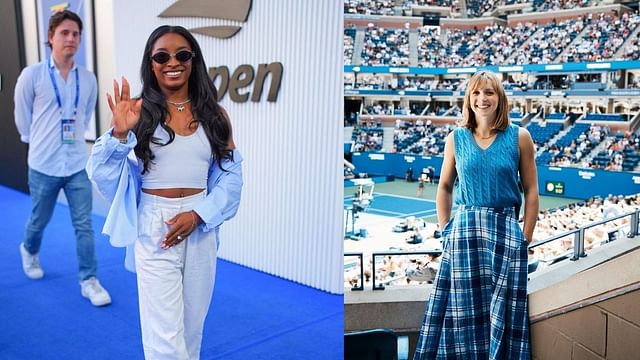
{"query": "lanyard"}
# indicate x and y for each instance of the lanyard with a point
(55, 88)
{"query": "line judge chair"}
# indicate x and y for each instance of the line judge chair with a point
(376, 344)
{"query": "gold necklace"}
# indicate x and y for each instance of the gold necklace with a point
(485, 138)
(179, 105)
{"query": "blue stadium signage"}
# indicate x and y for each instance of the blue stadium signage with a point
(587, 175)
(510, 68)
(462, 70)
(625, 92)
(599, 66)
(554, 187)
(554, 67)
(531, 68)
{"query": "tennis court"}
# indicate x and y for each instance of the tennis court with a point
(397, 206)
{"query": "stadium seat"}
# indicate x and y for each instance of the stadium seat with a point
(376, 344)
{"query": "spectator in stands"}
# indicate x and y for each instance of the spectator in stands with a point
(574, 216)
(423, 272)
(484, 231)
(415, 237)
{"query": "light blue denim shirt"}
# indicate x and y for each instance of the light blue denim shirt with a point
(115, 170)
(39, 118)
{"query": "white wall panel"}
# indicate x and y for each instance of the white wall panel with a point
(290, 220)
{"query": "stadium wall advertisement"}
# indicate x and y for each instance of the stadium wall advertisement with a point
(584, 183)
(290, 219)
(395, 165)
(532, 68)
(552, 181)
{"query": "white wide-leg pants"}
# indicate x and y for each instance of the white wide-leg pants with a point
(175, 286)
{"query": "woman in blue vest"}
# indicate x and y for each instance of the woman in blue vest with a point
(478, 305)
(171, 171)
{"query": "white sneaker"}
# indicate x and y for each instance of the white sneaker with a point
(30, 264)
(92, 290)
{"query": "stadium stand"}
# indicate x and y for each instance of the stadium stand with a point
(349, 39)
(576, 59)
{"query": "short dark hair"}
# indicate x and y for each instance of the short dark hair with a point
(56, 19)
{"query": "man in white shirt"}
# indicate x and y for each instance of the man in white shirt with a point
(54, 101)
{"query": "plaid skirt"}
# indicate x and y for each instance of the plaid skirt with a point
(478, 305)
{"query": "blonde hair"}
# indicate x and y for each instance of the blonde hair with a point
(477, 81)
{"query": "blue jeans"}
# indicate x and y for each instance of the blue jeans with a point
(44, 191)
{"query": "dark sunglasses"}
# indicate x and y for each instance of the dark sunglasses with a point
(182, 56)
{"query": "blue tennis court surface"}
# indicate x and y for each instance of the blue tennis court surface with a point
(397, 206)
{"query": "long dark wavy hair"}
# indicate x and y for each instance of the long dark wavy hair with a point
(204, 103)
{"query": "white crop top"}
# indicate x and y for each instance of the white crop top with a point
(182, 164)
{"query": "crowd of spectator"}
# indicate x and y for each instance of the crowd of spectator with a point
(441, 3)
(378, 82)
(554, 5)
(574, 216)
(457, 45)
(369, 81)
(427, 84)
(573, 148)
(632, 49)
(368, 136)
(420, 137)
(349, 39)
(385, 46)
(622, 152)
(396, 270)
(421, 269)
(476, 8)
(430, 49)
(546, 44)
(499, 43)
(369, 7)
(603, 38)
(379, 108)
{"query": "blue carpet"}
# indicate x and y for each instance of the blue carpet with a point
(253, 315)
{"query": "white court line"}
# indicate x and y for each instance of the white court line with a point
(405, 197)
(430, 212)
(425, 212)
(396, 214)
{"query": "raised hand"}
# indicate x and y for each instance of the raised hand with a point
(125, 111)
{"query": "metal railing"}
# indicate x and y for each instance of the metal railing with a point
(577, 251)
(578, 234)
(393, 253)
(361, 262)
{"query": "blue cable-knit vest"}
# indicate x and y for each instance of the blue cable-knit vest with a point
(487, 177)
